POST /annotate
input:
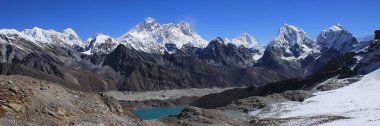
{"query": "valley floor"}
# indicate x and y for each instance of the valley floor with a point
(163, 94)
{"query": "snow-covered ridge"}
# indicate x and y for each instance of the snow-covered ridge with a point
(150, 36)
(290, 35)
(68, 36)
(101, 43)
(12, 33)
(245, 40)
(293, 43)
(336, 37)
(67, 39)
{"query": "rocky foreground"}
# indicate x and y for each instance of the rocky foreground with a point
(29, 101)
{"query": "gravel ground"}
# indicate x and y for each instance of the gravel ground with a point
(33, 102)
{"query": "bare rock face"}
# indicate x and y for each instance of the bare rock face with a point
(375, 44)
(296, 95)
(377, 34)
(218, 53)
(113, 104)
(10, 53)
(193, 116)
(44, 63)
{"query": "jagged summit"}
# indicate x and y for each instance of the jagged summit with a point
(11, 33)
(67, 37)
(292, 27)
(336, 37)
(149, 20)
(218, 39)
(337, 27)
(375, 44)
(245, 40)
(72, 34)
(290, 35)
(148, 25)
(101, 43)
(292, 43)
(152, 37)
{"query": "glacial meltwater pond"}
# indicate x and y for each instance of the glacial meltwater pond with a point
(156, 113)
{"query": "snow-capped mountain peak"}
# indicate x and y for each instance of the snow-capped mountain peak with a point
(152, 37)
(245, 40)
(37, 33)
(11, 34)
(287, 27)
(336, 37)
(291, 35)
(71, 34)
(218, 39)
(149, 20)
(337, 27)
(293, 43)
(185, 28)
(67, 37)
(148, 25)
(99, 37)
(100, 43)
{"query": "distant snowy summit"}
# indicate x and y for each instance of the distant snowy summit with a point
(148, 36)
(245, 40)
(42, 37)
(152, 37)
(293, 43)
(338, 38)
(101, 43)
(293, 49)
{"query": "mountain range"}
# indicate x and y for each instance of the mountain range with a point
(154, 56)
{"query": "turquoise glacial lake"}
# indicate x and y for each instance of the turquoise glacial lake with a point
(156, 113)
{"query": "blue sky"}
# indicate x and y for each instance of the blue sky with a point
(210, 18)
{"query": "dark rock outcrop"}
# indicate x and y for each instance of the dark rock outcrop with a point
(228, 55)
(376, 42)
(193, 116)
(44, 63)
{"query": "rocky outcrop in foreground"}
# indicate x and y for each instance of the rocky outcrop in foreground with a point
(28, 101)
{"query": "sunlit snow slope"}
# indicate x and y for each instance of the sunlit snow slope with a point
(360, 101)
